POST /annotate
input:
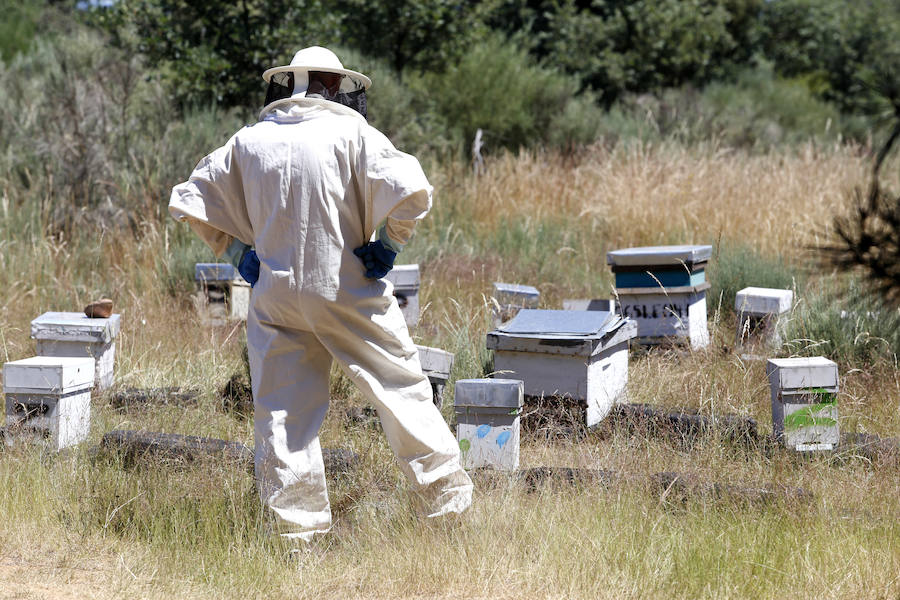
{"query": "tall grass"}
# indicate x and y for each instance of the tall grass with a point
(92, 525)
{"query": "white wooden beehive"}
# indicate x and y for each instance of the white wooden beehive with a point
(487, 414)
(405, 279)
(51, 396)
(804, 402)
(436, 364)
(226, 293)
(582, 355)
(510, 298)
(605, 304)
(74, 334)
(665, 313)
(760, 314)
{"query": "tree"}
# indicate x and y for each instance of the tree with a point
(215, 51)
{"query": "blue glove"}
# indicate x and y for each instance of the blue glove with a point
(377, 258)
(249, 267)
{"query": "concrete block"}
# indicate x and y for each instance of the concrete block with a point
(580, 355)
(406, 282)
(50, 396)
(436, 364)
(487, 413)
(74, 334)
(804, 402)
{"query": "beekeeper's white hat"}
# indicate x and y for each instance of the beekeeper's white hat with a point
(317, 58)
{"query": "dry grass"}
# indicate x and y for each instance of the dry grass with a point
(82, 526)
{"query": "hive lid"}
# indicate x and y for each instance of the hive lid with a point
(75, 327)
(756, 300)
(48, 374)
(515, 289)
(489, 393)
(802, 373)
(659, 255)
(559, 322)
(404, 276)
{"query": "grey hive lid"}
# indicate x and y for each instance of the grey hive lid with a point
(659, 255)
(562, 323)
(75, 327)
(515, 289)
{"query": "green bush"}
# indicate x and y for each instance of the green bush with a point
(846, 322)
(757, 110)
(498, 88)
(735, 266)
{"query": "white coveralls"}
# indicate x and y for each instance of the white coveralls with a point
(305, 186)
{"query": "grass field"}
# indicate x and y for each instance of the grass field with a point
(81, 525)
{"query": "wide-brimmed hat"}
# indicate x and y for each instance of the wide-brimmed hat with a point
(317, 58)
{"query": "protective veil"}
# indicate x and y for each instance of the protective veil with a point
(305, 186)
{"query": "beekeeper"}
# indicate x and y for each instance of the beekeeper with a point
(316, 203)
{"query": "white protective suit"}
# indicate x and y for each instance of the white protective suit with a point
(306, 185)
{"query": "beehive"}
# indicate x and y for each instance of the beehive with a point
(436, 364)
(580, 355)
(804, 402)
(225, 292)
(405, 279)
(487, 414)
(760, 314)
(663, 288)
(50, 396)
(74, 334)
(510, 298)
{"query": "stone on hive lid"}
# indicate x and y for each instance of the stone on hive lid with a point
(659, 255)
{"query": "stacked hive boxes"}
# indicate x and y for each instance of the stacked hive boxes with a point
(663, 288)
(50, 396)
(73, 334)
(582, 355)
(226, 293)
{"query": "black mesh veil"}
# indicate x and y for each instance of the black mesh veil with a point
(281, 86)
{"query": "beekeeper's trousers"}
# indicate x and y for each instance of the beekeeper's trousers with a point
(289, 372)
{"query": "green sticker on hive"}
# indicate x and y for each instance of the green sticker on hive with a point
(464, 445)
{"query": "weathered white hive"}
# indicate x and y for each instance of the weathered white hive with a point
(760, 314)
(582, 355)
(804, 402)
(436, 364)
(50, 396)
(74, 334)
(510, 298)
(226, 293)
(487, 415)
(663, 288)
(405, 279)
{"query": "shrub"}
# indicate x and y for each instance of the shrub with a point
(735, 266)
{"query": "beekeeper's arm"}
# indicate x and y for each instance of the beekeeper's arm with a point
(397, 193)
(211, 201)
